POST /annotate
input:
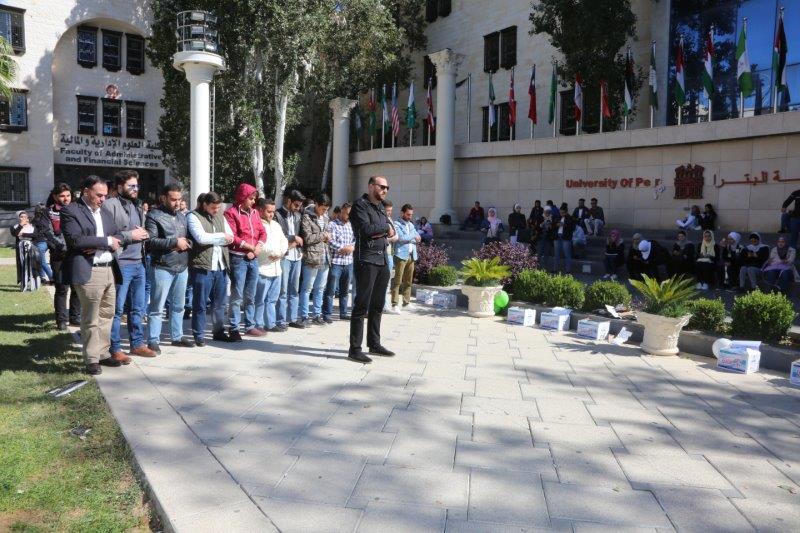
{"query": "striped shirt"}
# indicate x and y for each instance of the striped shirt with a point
(341, 235)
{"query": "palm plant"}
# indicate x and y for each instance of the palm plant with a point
(484, 272)
(8, 68)
(667, 298)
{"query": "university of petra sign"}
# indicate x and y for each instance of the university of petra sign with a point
(108, 151)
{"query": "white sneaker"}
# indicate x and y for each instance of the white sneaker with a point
(396, 310)
(699, 286)
(409, 307)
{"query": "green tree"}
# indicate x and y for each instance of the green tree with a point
(8, 68)
(591, 37)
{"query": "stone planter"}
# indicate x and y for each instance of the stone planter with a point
(661, 333)
(481, 300)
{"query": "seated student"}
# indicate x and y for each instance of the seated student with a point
(492, 227)
(730, 259)
(581, 213)
(597, 219)
(652, 258)
(681, 259)
(690, 221)
(474, 218)
(425, 230)
(615, 255)
(706, 263)
(516, 222)
(708, 218)
(634, 261)
(753, 258)
(779, 270)
(579, 242)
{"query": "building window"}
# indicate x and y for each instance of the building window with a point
(135, 54)
(501, 122)
(112, 50)
(491, 52)
(112, 118)
(14, 112)
(437, 8)
(445, 6)
(87, 46)
(508, 47)
(134, 120)
(87, 115)
(430, 73)
(12, 27)
(14, 186)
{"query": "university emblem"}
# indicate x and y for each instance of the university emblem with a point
(689, 182)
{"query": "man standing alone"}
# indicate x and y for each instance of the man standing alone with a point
(405, 254)
(371, 228)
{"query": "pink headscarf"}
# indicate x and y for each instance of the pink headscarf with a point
(614, 234)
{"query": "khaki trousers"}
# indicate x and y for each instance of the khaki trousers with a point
(98, 301)
(402, 280)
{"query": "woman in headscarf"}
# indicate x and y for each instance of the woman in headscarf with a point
(634, 262)
(516, 222)
(27, 254)
(730, 260)
(779, 269)
(706, 262)
(681, 259)
(492, 226)
(754, 256)
(650, 252)
(615, 254)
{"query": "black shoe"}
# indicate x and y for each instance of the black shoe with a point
(344, 317)
(221, 336)
(155, 347)
(380, 350)
(187, 314)
(318, 320)
(327, 320)
(62, 326)
(199, 342)
(76, 323)
(235, 336)
(93, 369)
(184, 343)
(278, 329)
(110, 361)
(358, 356)
(298, 325)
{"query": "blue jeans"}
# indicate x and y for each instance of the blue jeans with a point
(207, 284)
(312, 285)
(564, 247)
(339, 278)
(794, 231)
(133, 281)
(779, 278)
(187, 306)
(267, 292)
(148, 269)
(286, 310)
(44, 265)
(166, 285)
(785, 218)
(544, 249)
(244, 279)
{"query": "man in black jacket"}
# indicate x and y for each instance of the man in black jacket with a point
(371, 227)
(794, 217)
(169, 247)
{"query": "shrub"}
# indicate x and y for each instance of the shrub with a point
(443, 276)
(530, 285)
(760, 316)
(483, 272)
(667, 297)
(707, 315)
(428, 257)
(564, 291)
(516, 257)
(602, 293)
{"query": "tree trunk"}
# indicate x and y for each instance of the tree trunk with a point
(257, 163)
(281, 105)
(328, 151)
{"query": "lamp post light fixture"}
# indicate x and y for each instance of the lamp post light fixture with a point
(197, 57)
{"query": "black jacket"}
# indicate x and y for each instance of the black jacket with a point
(616, 252)
(165, 229)
(568, 223)
(755, 259)
(77, 225)
(281, 215)
(794, 197)
(516, 222)
(370, 228)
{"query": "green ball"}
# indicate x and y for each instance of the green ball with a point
(500, 301)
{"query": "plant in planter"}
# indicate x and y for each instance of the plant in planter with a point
(665, 312)
(482, 278)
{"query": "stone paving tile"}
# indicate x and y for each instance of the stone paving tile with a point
(766, 515)
(755, 477)
(441, 385)
(606, 414)
(543, 389)
(604, 505)
(564, 411)
(362, 417)
(445, 370)
(436, 401)
(501, 429)
(436, 452)
(323, 478)
(241, 516)
(373, 445)
(507, 497)
(692, 509)
(254, 465)
(456, 525)
(424, 423)
(507, 389)
(588, 527)
(520, 457)
(499, 406)
(646, 439)
(672, 470)
(583, 436)
(594, 467)
(301, 517)
(398, 518)
(412, 486)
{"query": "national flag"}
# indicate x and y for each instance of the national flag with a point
(357, 113)
(532, 94)
(743, 73)
(708, 64)
(653, 77)
(553, 94)
(395, 112)
(605, 108)
(430, 118)
(411, 109)
(385, 112)
(779, 52)
(492, 118)
(512, 103)
(373, 120)
(578, 99)
(627, 105)
(680, 84)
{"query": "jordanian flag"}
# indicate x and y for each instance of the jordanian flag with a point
(553, 93)
(627, 107)
(779, 57)
(743, 73)
(708, 64)
(411, 109)
(653, 77)
(680, 84)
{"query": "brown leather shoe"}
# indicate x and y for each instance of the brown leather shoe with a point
(121, 358)
(143, 351)
(255, 332)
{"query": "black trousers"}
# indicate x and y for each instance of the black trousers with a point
(64, 313)
(371, 283)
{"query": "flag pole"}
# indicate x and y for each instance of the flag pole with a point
(775, 85)
(601, 106)
(711, 96)
(410, 138)
(469, 108)
(653, 52)
(741, 94)
(383, 118)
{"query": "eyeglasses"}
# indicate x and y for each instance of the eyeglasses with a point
(132, 187)
(382, 187)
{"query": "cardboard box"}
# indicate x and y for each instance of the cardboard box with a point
(521, 316)
(425, 296)
(794, 373)
(444, 300)
(557, 321)
(594, 329)
(741, 360)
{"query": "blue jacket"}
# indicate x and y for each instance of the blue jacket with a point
(406, 243)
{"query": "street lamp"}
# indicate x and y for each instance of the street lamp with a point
(198, 43)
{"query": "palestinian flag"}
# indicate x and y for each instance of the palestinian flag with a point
(553, 94)
(653, 77)
(373, 120)
(578, 99)
(680, 84)
(411, 109)
(743, 73)
(779, 57)
(708, 64)
(627, 105)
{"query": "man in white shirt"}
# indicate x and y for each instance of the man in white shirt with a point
(269, 268)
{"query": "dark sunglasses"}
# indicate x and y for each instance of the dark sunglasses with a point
(382, 187)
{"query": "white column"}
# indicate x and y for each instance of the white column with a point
(447, 63)
(199, 68)
(341, 108)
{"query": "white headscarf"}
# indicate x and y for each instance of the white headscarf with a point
(735, 237)
(645, 247)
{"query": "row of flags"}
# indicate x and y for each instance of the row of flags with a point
(390, 117)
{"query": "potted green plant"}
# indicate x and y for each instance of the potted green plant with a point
(482, 281)
(665, 312)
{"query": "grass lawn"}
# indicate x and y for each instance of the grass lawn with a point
(6, 252)
(51, 480)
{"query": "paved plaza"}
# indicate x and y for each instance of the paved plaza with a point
(474, 426)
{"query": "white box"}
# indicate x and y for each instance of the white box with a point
(794, 373)
(741, 360)
(425, 296)
(557, 321)
(444, 300)
(594, 329)
(521, 316)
